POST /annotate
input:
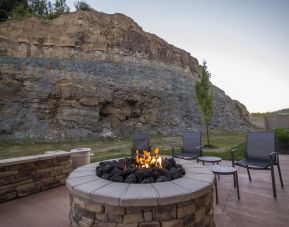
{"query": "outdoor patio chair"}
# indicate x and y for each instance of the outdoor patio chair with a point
(141, 143)
(260, 154)
(192, 146)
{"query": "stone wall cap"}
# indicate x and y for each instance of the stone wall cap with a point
(25, 159)
(58, 153)
(80, 150)
(197, 181)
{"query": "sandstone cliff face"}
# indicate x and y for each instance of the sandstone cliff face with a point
(90, 74)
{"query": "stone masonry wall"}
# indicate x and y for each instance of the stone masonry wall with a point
(31, 176)
(196, 212)
(276, 121)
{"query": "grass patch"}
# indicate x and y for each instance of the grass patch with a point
(110, 148)
(226, 155)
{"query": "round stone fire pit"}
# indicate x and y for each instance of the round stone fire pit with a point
(186, 201)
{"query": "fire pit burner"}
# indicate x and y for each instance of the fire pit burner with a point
(144, 169)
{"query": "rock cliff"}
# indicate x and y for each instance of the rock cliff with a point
(90, 74)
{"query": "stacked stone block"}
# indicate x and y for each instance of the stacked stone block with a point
(195, 212)
(18, 179)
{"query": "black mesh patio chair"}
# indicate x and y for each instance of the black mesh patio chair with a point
(260, 154)
(192, 146)
(141, 143)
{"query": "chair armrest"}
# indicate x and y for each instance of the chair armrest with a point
(234, 150)
(233, 155)
(200, 147)
(177, 146)
(273, 154)
(274, 157)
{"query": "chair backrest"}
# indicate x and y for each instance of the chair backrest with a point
(141, 142)
(260, 145)
(191, 140)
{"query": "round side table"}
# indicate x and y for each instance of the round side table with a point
(209, 159)
(225, 170)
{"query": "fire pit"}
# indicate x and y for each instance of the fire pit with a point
(184, 201)
(142, 169)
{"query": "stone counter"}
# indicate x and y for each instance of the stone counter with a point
(186, 201)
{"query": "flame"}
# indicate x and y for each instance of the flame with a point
(147, 160)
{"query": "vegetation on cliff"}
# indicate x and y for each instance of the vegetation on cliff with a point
(284, 111)
(20, 9)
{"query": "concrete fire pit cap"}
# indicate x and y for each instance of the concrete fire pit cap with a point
(197, 181)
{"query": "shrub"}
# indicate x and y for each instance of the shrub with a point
(282, 136)
(20, 12)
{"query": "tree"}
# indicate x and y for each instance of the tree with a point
(7, 6)
(205, 98)
(38, 7)
(61, 7)
(81, 5)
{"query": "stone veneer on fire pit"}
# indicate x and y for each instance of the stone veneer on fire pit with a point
(187, 201)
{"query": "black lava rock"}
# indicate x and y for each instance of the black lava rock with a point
(148, 180)
(165, 173)
(177, 173)
(121, 164)
(131, 178)
(139, 175)
(148, 172)
(162, 179)
(173, 169)
(130, 170)
(167, 164)
(105, 176)
(116, 171)
(124, 170)
(156, 172)
(116, 178)
(173, 162)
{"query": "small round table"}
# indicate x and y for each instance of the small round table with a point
(225, 170)
(209, 159)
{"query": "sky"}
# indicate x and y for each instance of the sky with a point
(245, 42)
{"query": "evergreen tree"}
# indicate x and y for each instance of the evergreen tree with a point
(205, 98)
(38, 7)
(81, 5)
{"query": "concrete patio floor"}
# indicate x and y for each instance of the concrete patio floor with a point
(257, 207)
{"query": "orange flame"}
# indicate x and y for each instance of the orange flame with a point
(147, 160)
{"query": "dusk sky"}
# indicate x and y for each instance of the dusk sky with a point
(245, 42)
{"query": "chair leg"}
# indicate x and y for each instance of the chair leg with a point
(273, 181)
(237, 183)
(280, 175)
(248, 171)
(216, 190)
(234, 180)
